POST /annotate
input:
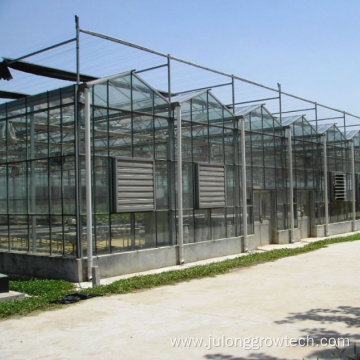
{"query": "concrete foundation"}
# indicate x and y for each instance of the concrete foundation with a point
(284, 236)
(334, 228)
(52, 267)
(75, 270)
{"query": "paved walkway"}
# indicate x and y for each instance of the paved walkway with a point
(311, 298)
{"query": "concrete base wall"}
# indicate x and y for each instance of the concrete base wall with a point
(149, 259)
(75, 270)
(51, 267)
(284, 236)
(304, 226)
(334, 228)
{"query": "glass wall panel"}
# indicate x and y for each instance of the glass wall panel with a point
(120, 136)
(161, 185)
(163, 230)
(143, 137)
(202, 225)
(19, 233)
(121, 232)
(218, 225)
(67, 130)
(102, 234)
(200, 143)
(4, 232)
(15, 133)
(188, 186)
(163, 139)
(17, 188)
(145, 236)
(3, 189)
(216, 145)
(120, 92)
(188, 222)
(69, 207)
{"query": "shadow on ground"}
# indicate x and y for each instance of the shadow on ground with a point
(326, 321)
(319, 335)
(254, 356)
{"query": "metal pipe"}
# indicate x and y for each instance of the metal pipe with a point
(77, 50)
(204, 68)
(353, 183)
(291, 186)
(79, 251)
(326, 200)
(179, 183)
(40, 51)
(32, 180)
(88, 182)
(243, 183)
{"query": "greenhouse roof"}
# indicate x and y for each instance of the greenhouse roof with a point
(323, 128)
(187, 96)
(288, 120)
(244, 110)
(351, 134)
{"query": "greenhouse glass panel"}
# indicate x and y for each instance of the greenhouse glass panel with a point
(120, 134)
(119, 93)
(202, 225)
(15, 132)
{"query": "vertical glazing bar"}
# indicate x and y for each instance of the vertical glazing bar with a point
(243, 183)
(179, 183)
(326, 199)
(291, 185)
(353, 185)
(88, 182)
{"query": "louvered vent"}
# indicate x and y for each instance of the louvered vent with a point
(134, 186)
(339, 186)
(210, 186)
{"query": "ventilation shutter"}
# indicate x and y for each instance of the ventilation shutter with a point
(210, 186)
(339, 186)
(134, 186)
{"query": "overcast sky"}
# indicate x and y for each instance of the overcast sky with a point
(311, 47)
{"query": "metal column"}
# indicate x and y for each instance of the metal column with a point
(88, 182)
(243, 183)
(291, 186)
(179, 183)
(326, 198)
(353, 185)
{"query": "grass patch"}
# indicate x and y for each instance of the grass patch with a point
(44, 292)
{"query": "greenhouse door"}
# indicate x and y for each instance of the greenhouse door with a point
(304, 212)
(264, 215)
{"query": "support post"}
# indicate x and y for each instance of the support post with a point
(243, 183)
(88, 182)
(179, 183)
(32, 181)
(326, 196)
(291, 186)
(353, 185)
(79, 251)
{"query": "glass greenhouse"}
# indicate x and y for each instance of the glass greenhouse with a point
(114, 173)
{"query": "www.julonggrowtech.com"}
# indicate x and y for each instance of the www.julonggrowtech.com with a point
(256, 343)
